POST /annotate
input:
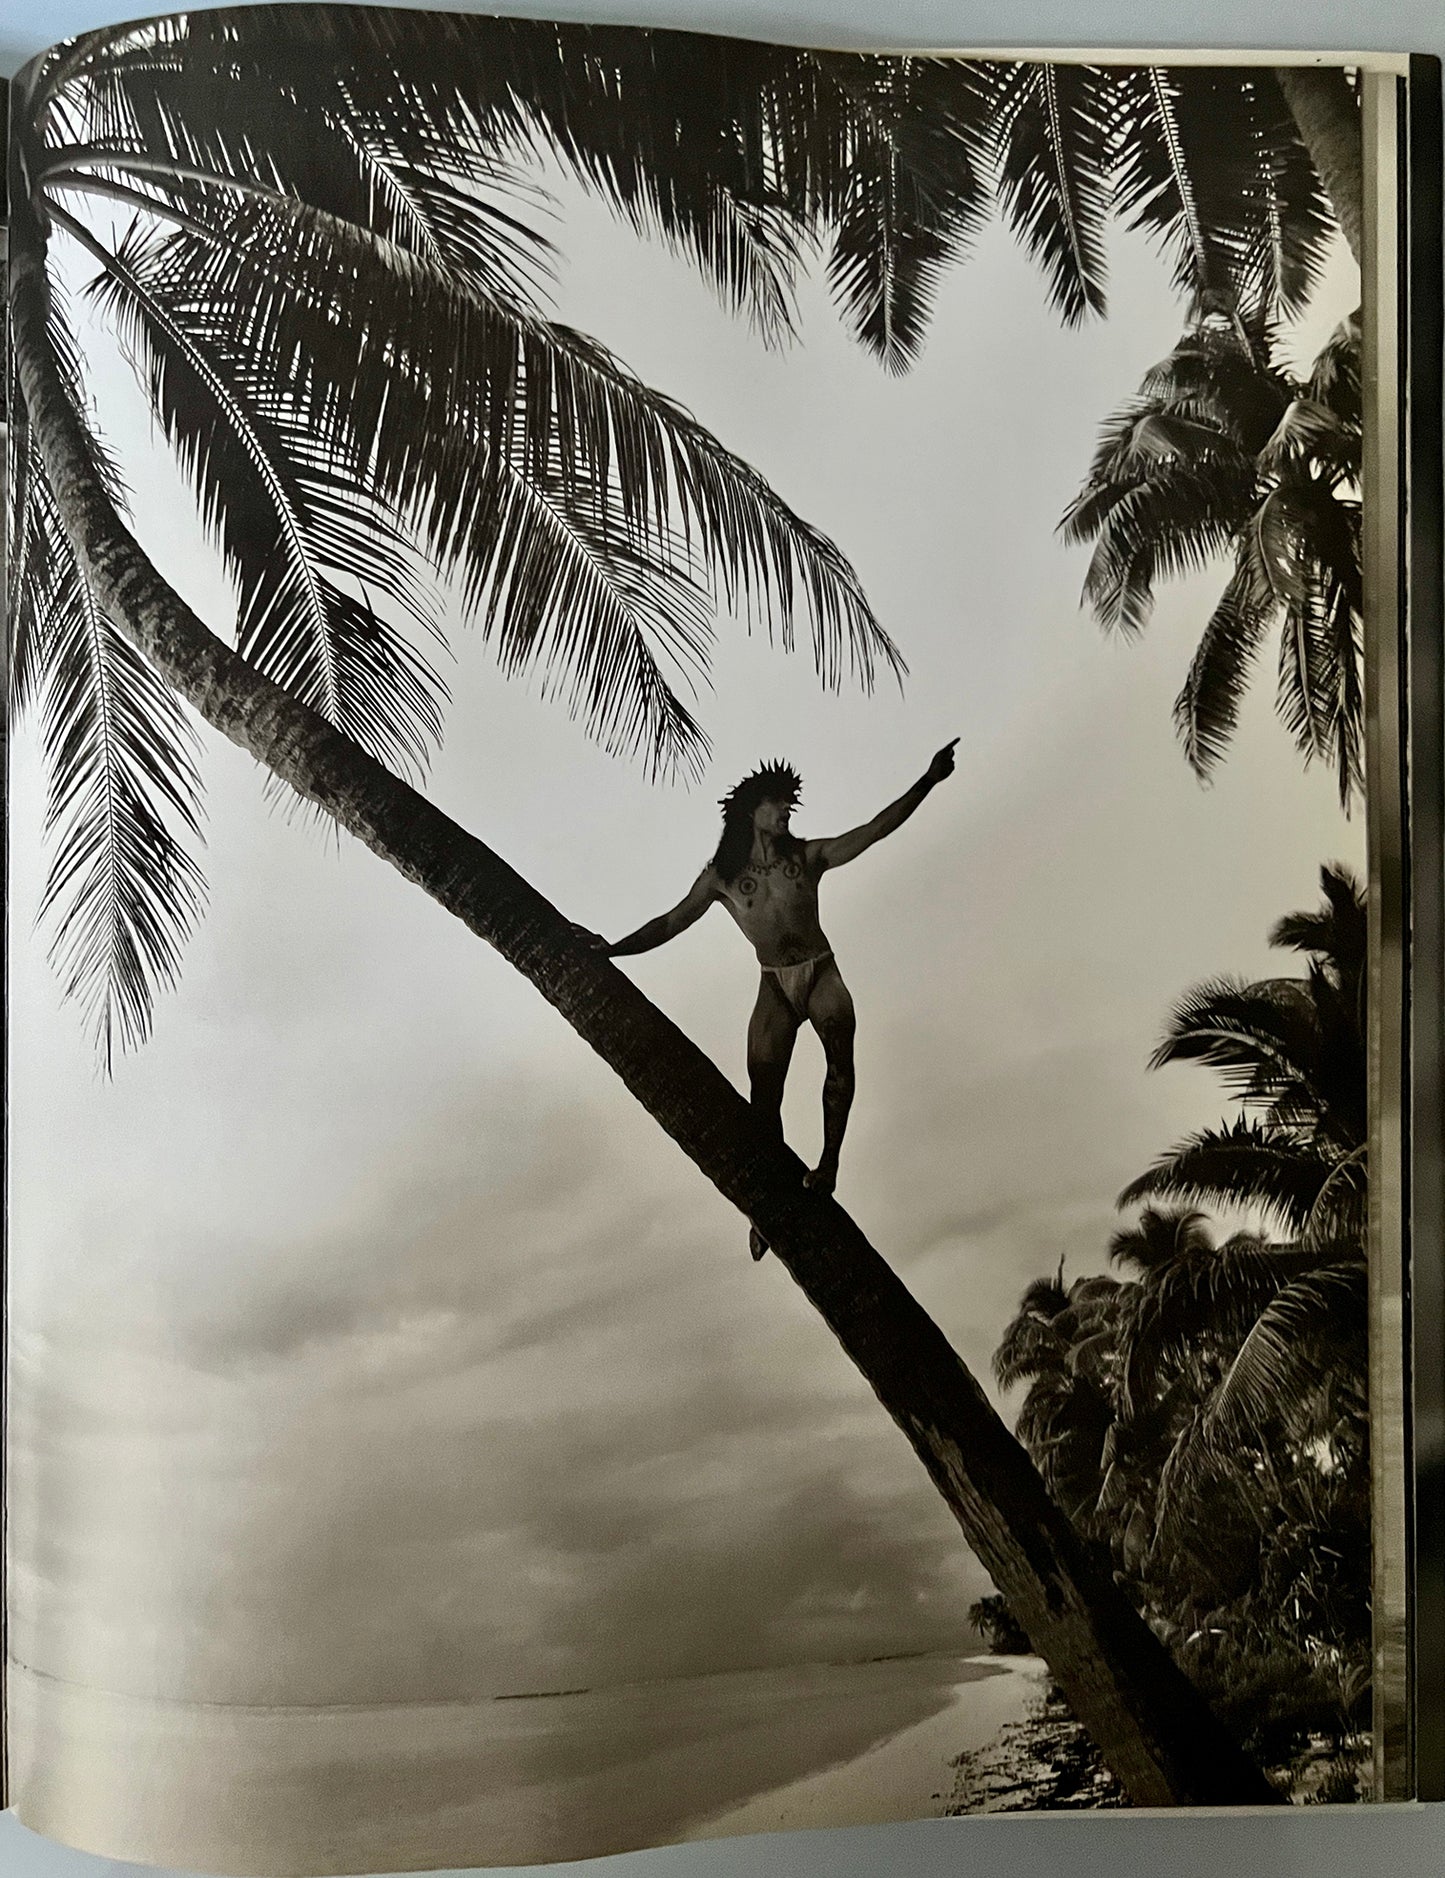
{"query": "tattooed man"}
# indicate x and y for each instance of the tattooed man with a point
(767, 878)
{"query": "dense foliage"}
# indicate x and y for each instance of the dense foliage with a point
(1202, 1417)
(1225, 453)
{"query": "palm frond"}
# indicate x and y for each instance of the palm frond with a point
(1054, 160)
(1335, 375)
(30, 543)
(1031, 1344)
(1239, 1165)
(1320, 695)
(667, 128)
(677, 132)
(307, 547)
(1207, 708)
(1190, 1307)
(1174, 481)
(427, 397)
(1160, 1236)
(122, 893)
(1174, 522)
(1264, 1038)
(610, 629)
(1219, 1288)
(1210, 162)
(1337, 931)
(1312, 1330)
(1224, 372)
(914, 193)
(1309, 434)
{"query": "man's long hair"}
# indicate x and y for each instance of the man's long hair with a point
(774, 782)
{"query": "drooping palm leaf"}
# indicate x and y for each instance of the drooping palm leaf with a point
(1173, 522)
(1285, 1046)
(1221, 454)
(1314, 1329)
(1207, 708)
(1031, 1344)
(437, 396)
(1210, 161)
(26, 538)
(1212, 1291)
(1223, 374)
(1262, 1037)
(299, 532)
(1321, 698)
(1337, 931)
(391, 120)
(1242, 1164)
(1051, 132)
(913, 193)
(122, 891)
(1335, 378)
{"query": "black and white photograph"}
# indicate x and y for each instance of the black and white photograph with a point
(690, 940)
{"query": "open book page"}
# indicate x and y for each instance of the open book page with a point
(502, 510)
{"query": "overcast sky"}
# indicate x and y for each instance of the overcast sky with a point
(368, 1342)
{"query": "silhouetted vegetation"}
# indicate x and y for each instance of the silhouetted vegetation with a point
(999, 1628)
(1203, 1417)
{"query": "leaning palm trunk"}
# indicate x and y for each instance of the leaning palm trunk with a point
(1155, 1731)
(1328, 120)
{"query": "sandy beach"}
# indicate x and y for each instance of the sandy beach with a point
(908, 1776)
(532, 1778)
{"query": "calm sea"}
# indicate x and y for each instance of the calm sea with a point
(503, 1781)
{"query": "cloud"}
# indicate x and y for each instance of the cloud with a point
(538, 1430)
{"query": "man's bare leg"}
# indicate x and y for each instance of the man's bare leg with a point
(772, 1032)
(830, 1011)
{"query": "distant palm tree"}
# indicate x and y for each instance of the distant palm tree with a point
(1284, 1323)
(1222, 453)
(327, 284)
(1269, 1336)
(1063, 1343)
(1292, 1053)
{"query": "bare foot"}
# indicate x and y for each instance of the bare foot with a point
(757, 1244)
(823, 1179)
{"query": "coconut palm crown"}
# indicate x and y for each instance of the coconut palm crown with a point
(319, 238)
(1292, 1053)
(1223, 453)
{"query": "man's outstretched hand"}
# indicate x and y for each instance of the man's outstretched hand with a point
(942, 764)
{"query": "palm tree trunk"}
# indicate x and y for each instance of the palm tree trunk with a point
(1328, 120)
(1153, 1728)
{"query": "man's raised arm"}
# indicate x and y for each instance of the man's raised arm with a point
(837, 850)
(656, 932)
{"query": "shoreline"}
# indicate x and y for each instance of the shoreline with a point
(1039, 1761)
(909, 1775)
